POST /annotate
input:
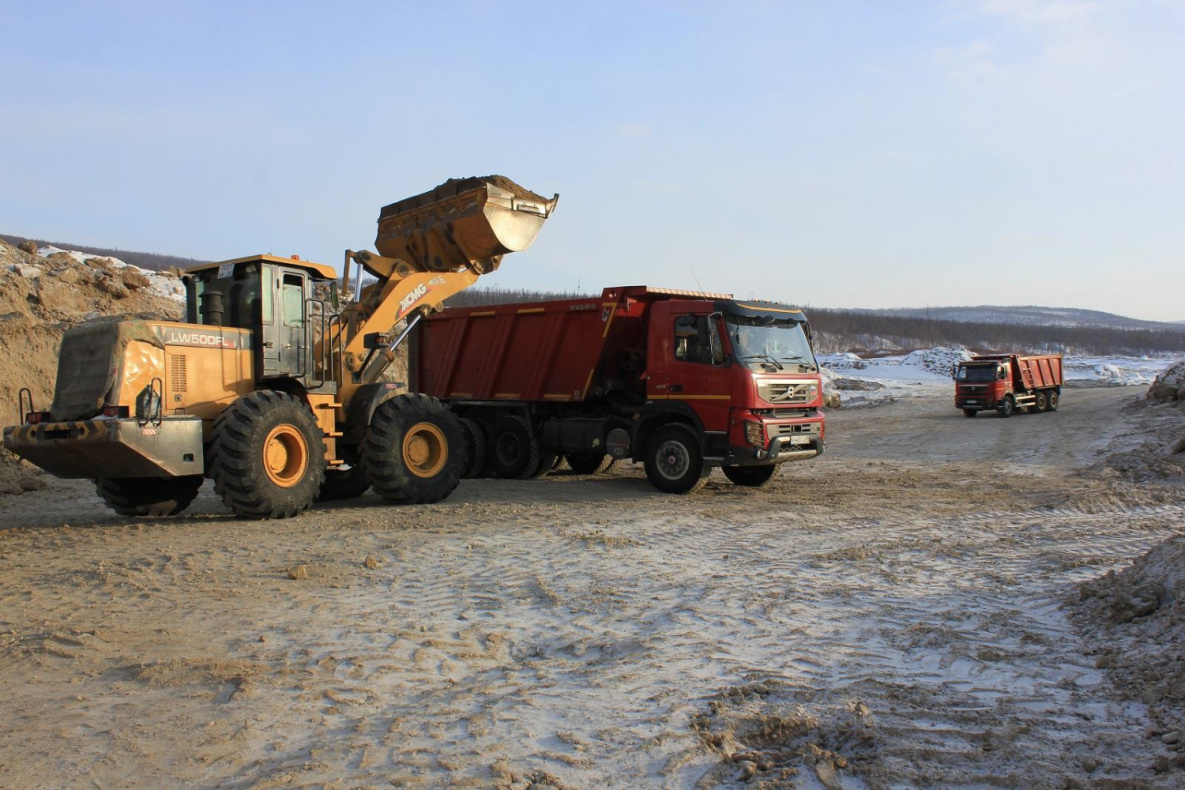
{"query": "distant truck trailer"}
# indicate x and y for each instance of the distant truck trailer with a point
(1007, 382)
(681, 381)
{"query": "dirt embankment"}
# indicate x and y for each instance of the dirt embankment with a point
(41, 297)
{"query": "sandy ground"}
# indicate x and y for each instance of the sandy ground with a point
(890, 615)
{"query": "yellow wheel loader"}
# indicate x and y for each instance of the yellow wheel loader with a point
(273, 386)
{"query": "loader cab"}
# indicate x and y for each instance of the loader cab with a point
(288, 305)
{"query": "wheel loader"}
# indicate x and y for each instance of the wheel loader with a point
(273, 386)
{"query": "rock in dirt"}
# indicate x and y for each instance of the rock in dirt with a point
(298, 573)
(27, 246)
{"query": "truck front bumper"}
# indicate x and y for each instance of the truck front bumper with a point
(796, 441)
(111, 447)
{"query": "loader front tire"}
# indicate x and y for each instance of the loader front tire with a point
(414, 451)
(154, 497)
(267, 456)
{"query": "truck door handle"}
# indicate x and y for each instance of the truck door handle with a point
(676, 388)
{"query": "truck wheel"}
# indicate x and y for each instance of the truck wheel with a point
(344, 484)
(547, 462)
(1040, 403)
(752, 476)
(268, 456)
(970, 412)
(1051, 401)
(513, 453)
(589, 463)
(1006, 407)
(674, 461)
(149, 496)
(414, 450)
(475, 447)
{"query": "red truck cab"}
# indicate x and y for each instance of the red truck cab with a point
(747, 373)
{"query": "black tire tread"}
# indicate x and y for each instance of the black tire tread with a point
(382, 450)
(152, 497)
(238, 475)
(752, 476)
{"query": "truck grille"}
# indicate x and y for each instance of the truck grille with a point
(794, 430)
(784, 392)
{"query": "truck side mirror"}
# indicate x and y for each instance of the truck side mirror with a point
(714, 341)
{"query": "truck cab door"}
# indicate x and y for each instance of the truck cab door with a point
(687, 364)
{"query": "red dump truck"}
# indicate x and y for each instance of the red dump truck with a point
(680, 381)
(1006, 382)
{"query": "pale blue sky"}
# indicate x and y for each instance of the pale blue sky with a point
(857, 154)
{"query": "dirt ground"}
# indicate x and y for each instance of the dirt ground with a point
(891, 615)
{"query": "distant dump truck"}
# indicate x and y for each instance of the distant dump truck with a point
(1006, 382)
(680, 381)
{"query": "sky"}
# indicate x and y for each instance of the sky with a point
(835, 154)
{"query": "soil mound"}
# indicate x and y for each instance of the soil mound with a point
(1169, 385)
(1136, 617)
(42, 295)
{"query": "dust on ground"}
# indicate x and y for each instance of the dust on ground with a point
(891, 614)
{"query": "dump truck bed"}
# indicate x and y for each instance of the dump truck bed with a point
(1032, 371)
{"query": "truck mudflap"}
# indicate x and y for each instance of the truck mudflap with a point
(111, 447)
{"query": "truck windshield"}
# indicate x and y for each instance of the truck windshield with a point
(762, 343)
(977, 373)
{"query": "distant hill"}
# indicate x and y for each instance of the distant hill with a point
(145, 260)
(1028, 315)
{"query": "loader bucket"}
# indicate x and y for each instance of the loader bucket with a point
(463, 222)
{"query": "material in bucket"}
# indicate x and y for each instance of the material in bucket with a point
(461, 223)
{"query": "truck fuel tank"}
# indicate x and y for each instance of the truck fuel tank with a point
(463, 222)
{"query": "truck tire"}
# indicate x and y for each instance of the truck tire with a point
(1006, 407)
(344, 484)
(1051, 400)
(547, 462)
(970, 412)
(414, 451)
(475, 448)
(149, 496)
(752, 476)
(589, 463)
(1040, 403)
(674, 460)
(267, 456)
(514, 454)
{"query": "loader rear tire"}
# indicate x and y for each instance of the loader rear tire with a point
(154, 497)
(475, 446)
(344, 484)
(674, 460)
(514, 454)
(589, 463)
(267, 456)
(752, 476)
(414, 451)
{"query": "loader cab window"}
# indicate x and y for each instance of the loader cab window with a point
(240, 287)
(292, 297)
(697, 339)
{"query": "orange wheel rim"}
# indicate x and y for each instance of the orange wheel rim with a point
(285, 456)
(425, 450)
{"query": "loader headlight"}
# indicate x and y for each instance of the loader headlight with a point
(755, 433)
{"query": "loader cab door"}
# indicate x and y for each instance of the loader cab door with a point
(284, 349)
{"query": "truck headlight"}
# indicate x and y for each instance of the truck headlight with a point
(814, 391)
(755, 433)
